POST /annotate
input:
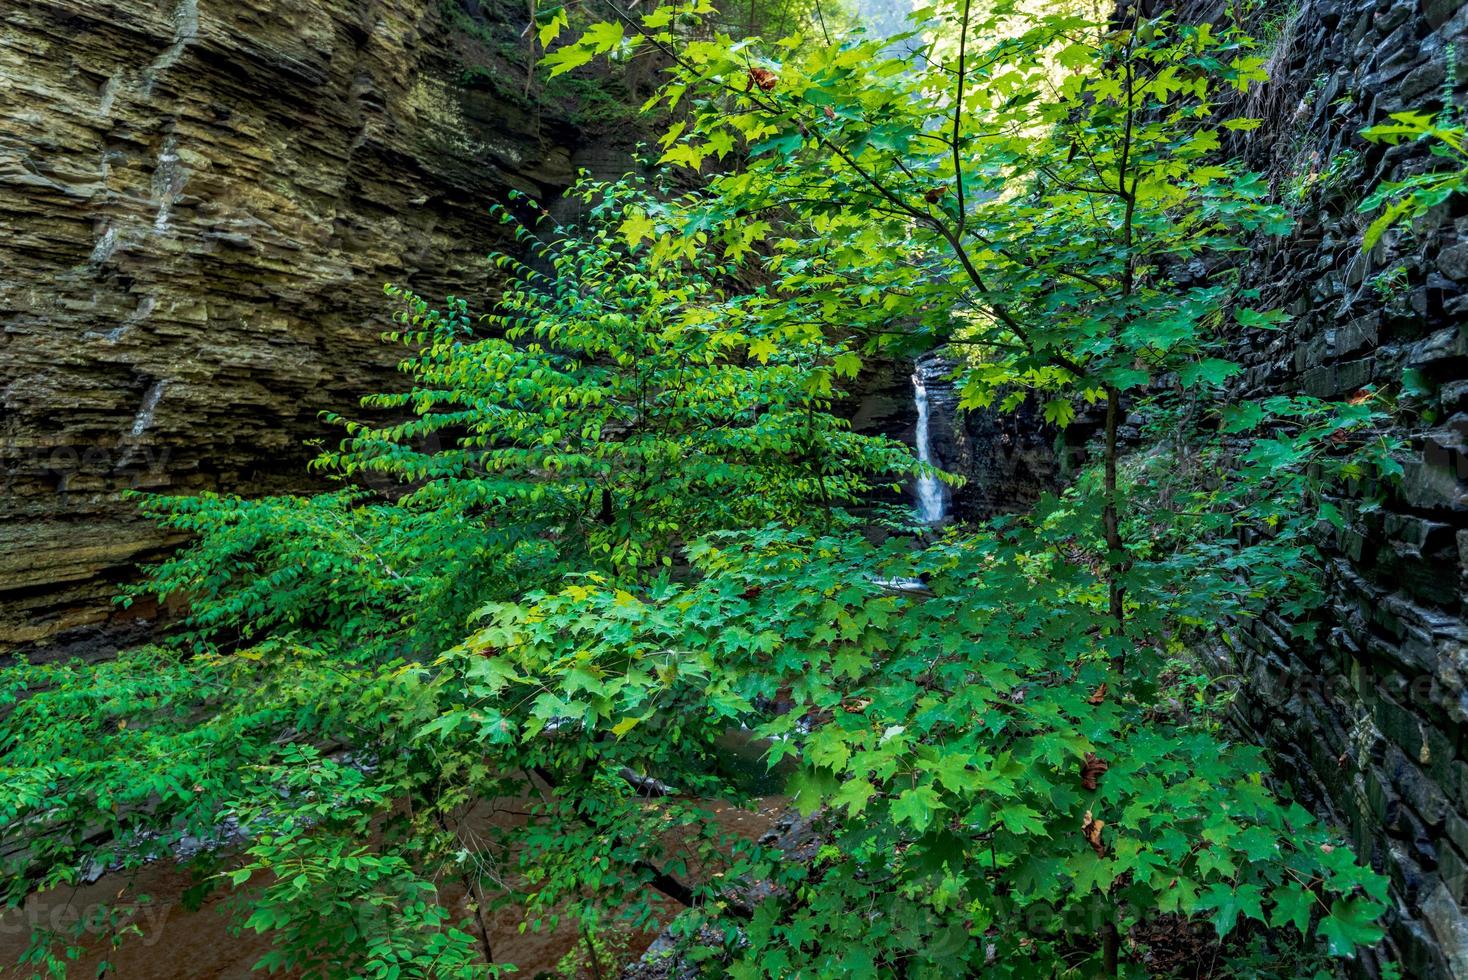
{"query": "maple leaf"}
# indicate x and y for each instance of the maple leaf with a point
(854, 795)
(1097, 696)
(916, 807)
(1229, 903)
(636, 227)
(762, 349)
(1292, 906)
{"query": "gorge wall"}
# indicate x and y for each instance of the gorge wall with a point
(1371, 722)
(202, 200)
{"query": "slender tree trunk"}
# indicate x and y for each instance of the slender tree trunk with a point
(591, 952)
(1110, 516)
(1110, 948)
(1116, 563)
(477, 894)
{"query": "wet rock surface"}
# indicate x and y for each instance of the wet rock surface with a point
(1369, 720)
(203, 199)
(798, 837)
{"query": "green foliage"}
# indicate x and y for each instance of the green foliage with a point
(1330, 178)
(617, 403)
(1390, 284)
(1274, 22)
(603, 539)
(948, 736)
(1412, 197)
(599, 955)
(614, 405)
(956, 195)
(119, 763)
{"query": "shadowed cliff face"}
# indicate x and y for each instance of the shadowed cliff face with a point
(202, 199)
(1370, 720)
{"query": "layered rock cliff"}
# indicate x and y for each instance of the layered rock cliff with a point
(1371, 721)
(202, 200)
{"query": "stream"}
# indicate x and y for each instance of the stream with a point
(170, 936)
(174, 940)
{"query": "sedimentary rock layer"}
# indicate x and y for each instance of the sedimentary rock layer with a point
(201, 202)
(1371, 720)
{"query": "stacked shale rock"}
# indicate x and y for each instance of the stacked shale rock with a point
(201, 202)
(1371, 721)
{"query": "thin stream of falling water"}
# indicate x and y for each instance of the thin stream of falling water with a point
(150, 405)
(929, 489)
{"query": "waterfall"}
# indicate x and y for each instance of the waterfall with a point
(150, 404)
(929, 489)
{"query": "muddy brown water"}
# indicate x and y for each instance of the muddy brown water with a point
(176, 943)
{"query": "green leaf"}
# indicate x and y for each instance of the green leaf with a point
(784, 146)
(1260, 319)
(810, 788)
(603, 37)
(762, 350)
(626, 725)
(1018, 818)
(1059, 411)
(854, 795)
(1228, 903)
(1210, 371)
(637, 228)
(568, 58)
(1292, 906)
(1352, 922)
(1242, 418)
(1384, 222)
(916, 807)
(1416, 384)
(550, 22)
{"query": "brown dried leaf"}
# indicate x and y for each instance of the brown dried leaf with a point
(764, 78)
(1091, 830)
(1092, 769)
